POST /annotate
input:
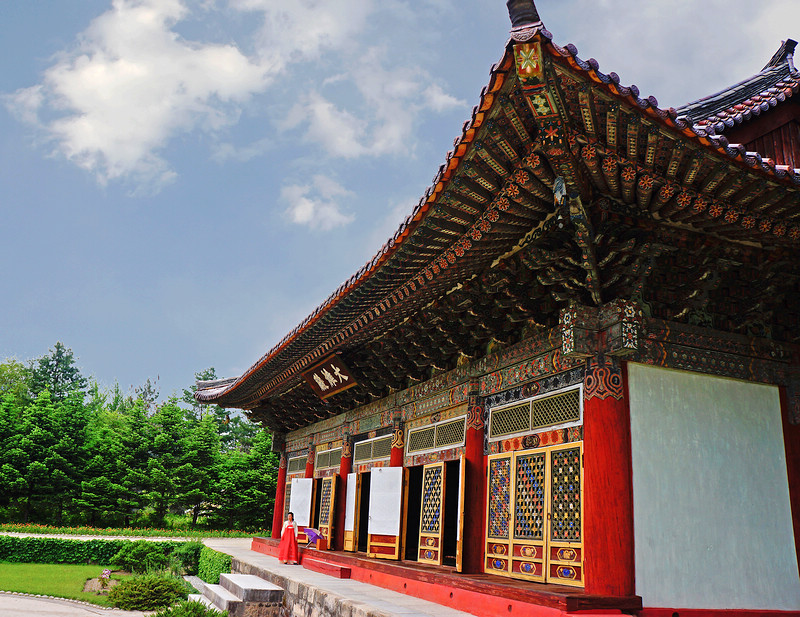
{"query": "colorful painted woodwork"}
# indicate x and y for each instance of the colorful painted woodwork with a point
(574, 228)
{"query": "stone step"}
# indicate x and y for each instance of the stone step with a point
(251, 588)
(222, 599)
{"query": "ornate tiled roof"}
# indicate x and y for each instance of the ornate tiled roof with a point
(653, 206)
(775, 83)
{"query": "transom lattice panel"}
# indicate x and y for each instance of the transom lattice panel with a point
(362, 451)
(421, 439)
(511, 420)
(382, 448)
(558, 409)
(295, 464)
(323, 459)
(450, 433)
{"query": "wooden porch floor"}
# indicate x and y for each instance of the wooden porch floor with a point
(388, 574)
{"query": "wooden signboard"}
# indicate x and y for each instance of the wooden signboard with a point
(329, 377)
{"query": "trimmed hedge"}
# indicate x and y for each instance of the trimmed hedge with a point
(146, 593)
(15, 549)
(212, 564)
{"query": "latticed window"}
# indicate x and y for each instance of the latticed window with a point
(421, 439)
(372, 449)
(382, 448)
(510, 420)
(450, 433)
(295, 464)
(445, 434)
(362, 451)
(558, 409)
(329, 458)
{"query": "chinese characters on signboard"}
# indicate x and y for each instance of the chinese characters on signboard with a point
(329, 377)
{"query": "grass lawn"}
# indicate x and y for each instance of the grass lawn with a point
(60, 580)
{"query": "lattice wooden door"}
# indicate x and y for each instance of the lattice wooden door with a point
(327, 508)
(534, 515)
(431, 514)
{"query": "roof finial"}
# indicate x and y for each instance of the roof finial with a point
(523, 14)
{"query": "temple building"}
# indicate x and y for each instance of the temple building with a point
(571, 379)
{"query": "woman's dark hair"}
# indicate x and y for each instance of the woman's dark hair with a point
(290, 514)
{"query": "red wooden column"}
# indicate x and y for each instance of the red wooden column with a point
(607, 480)
(280, 495)
(790, 413)
(398, 443)
(475, 488)
(345, 467)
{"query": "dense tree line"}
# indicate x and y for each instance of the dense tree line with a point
(73, 454)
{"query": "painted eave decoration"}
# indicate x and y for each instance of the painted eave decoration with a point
(652, 205)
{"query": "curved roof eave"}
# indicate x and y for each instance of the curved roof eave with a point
(226, 393)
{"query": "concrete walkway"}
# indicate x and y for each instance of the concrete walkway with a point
(15, 605)
(360, 598)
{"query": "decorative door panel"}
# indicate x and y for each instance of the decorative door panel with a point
(565, 557)
(498, 515)
(385, 512)
(534, 519)
(351, 512)
(327, 508)
(527, 555)
(431, 514)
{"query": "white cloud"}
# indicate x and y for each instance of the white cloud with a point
(317, 204)
(302, 29)
(132, 84)
(383, 121)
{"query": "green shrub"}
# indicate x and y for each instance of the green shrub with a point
(147, 593)
(143, 556)
(17, 549)
(187, 556)
(212, 564)
(190, 609)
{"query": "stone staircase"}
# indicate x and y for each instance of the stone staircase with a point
(242, 595)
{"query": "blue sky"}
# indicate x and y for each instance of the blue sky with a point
(182, 182)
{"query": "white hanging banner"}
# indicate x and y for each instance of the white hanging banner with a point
(301, 499)
(385, 499)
